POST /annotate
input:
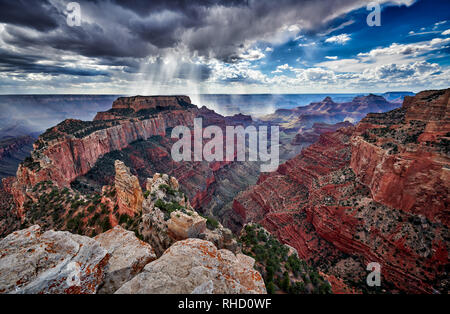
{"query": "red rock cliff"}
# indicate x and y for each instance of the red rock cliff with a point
(72, 148)
(377, 192)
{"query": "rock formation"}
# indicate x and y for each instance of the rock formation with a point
(33, 262)
(197, 266)
(77, 151)
(143, 104)
(378, 192)
(72, 148)
(129, 192)
(327, 111)
(128, 256)
(167, 217)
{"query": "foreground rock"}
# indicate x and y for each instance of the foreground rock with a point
(33, 262)
(129, 255)
(196, 266)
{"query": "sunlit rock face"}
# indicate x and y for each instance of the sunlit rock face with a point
(128, 256)
(129, 192)
(405, 159)
(196, 266)
(377, 191)
(33, 262)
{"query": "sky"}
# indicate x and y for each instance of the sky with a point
(223, 47)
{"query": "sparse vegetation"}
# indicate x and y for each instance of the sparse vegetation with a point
(282, 272)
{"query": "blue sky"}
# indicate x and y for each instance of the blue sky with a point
(214, 46)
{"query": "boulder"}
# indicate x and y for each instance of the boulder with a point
(196, 266)
(54, 262)
(186, 225)
(129, 255)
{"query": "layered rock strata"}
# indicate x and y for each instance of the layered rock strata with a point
(378, 192)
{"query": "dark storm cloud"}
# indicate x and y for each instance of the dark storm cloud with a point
(10, 62)
(39, 15)
(188, 7)
(123, 33)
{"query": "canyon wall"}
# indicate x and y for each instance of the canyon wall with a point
(72, 148)
(377, 192)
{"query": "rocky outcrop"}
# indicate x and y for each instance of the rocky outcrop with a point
(377, 192)
(197, 266)
(167, 217)
(128, 256)
(33, 262)
(182, 226)
(72, 148)
(129, 192)
(75, 150)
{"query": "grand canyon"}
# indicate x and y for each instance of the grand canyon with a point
(345, 196)
(242, 155)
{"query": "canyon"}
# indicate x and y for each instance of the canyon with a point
(346, 195)
(166, 232)
(376, 192)
(328, 111)
(13, 150)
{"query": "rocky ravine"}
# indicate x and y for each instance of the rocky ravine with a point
(377, 192)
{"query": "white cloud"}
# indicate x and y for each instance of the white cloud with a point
(436, 25)
(307, 44)
(413, 49)
(282, 68)
(331, 57)
(338, 39)
(446, 32)
(252, 55)
(416, 70)
(316, 74)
